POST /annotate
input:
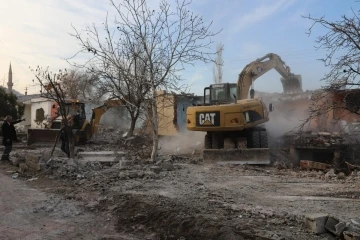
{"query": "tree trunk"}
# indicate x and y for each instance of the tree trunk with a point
(132, 127)
(154, 126)
(134, 117)
(56, 141)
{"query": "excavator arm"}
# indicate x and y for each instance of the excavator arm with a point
(99, 111)
(291, 82)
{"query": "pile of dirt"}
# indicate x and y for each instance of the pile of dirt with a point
(172, 221)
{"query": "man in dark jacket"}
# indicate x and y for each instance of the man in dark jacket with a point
(9, 135)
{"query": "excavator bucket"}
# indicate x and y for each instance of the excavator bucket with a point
(255, 156)
(41, 136)
(292, 84)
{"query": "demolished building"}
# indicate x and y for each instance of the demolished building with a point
(317, 126)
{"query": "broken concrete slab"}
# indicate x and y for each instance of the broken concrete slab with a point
(316, 222)
(335, 225)
(102, 156)
(349, 235)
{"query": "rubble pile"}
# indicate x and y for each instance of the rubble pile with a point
(323, 223)
(128, 167)
(316, 139)
(107, 134)
(137, 146)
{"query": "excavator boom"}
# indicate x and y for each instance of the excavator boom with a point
(291, 83)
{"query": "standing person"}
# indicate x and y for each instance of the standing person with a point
(9, 135)
(64, 141)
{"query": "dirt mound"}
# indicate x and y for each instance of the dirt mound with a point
(171, 221)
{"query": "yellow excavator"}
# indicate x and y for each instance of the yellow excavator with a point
(76, 116)
(232, 121)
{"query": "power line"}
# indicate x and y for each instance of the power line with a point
(26, 70)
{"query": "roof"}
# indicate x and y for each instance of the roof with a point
(24, 98)
(37, 99)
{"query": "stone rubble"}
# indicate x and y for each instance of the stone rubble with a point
(316, 139)
(134, 168)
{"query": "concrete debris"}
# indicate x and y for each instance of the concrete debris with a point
(348, 235)
(319, 223)
(108, 135)
(335, 225)
(168, 166)
(105, 176)
(314, 139)
(32, 179)
(156, 169)
(305, 164)
(316, 222)
(102, 156)
(355, 222)
(341, 175)
(330, 174)
(15, 176)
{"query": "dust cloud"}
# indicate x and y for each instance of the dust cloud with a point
(119, 117)
(282, 121)
(184, 143)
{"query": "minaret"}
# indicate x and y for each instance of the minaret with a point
(10, 83)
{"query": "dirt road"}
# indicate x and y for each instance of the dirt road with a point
(27, 213)
(177, 198)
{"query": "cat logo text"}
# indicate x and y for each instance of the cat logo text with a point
(208, 119)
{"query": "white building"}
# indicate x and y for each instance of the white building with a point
(31, 106)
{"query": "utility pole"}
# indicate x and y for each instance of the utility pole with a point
(26, 91)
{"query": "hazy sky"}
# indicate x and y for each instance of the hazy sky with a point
(36, 32)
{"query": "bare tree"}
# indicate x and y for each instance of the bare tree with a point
(80, 85)
(147, 51)
(217, 68)
(121, 66)
(342, 44)
(50, 82)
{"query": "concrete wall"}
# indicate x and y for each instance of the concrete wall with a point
(27, 115)
(172, 113)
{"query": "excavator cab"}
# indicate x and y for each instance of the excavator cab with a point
(221, 93)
